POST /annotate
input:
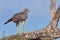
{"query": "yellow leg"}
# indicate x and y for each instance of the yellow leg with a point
(23, 26)
(18, 29)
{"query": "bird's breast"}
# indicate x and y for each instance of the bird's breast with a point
(20, 18)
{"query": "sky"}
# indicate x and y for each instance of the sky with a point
(38, 17)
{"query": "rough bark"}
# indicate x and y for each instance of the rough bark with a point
(52, 8)
(50, 32)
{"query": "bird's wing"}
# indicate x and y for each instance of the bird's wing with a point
(22, 16)
(19, 15)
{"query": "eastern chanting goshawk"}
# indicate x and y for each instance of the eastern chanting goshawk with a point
(19, 17)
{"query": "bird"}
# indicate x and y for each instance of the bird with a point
(19, 17)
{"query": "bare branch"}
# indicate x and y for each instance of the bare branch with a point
(52, 8)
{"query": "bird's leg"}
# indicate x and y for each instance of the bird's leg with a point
(18, 28)
(23, 26)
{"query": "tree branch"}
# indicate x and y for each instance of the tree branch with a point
(52, 8)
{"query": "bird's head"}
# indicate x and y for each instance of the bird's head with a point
(25, 10)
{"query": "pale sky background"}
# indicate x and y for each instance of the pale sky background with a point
(38, 17)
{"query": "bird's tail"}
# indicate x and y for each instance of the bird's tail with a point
(8, 21)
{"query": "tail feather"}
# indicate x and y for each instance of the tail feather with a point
(8, 21)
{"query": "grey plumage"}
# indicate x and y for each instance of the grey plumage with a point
(19, 17)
